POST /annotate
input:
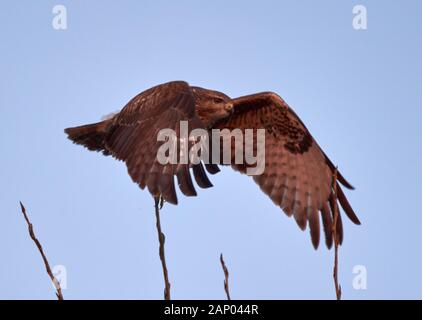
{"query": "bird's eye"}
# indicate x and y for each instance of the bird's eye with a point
(217, 100)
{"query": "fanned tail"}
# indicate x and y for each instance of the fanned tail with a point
(91, 136)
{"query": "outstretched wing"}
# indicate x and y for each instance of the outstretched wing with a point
(298, 175)
(132, 138)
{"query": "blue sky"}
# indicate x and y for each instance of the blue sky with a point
(357, 91)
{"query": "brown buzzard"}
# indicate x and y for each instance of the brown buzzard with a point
(297, 176)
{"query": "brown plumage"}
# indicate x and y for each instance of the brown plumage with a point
(297, 176)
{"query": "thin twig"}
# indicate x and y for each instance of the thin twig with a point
(162, 239)
(40, 249)
(226, 277)
(336, 237)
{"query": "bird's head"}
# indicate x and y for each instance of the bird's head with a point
(211, 106)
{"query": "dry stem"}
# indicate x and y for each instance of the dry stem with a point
(162, 239)
(40, 249)
(336, 237)
(226, 277)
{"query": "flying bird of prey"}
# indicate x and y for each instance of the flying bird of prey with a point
(297, 177)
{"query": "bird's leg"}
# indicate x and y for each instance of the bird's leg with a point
(159, 202)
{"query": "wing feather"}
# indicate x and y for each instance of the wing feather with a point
(133, 138)
(298, 174)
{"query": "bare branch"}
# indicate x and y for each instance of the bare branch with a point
(336, 237)
(226, 277)
(162, 239)
(40, 249)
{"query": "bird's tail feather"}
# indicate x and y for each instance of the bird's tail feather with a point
(91, 136)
